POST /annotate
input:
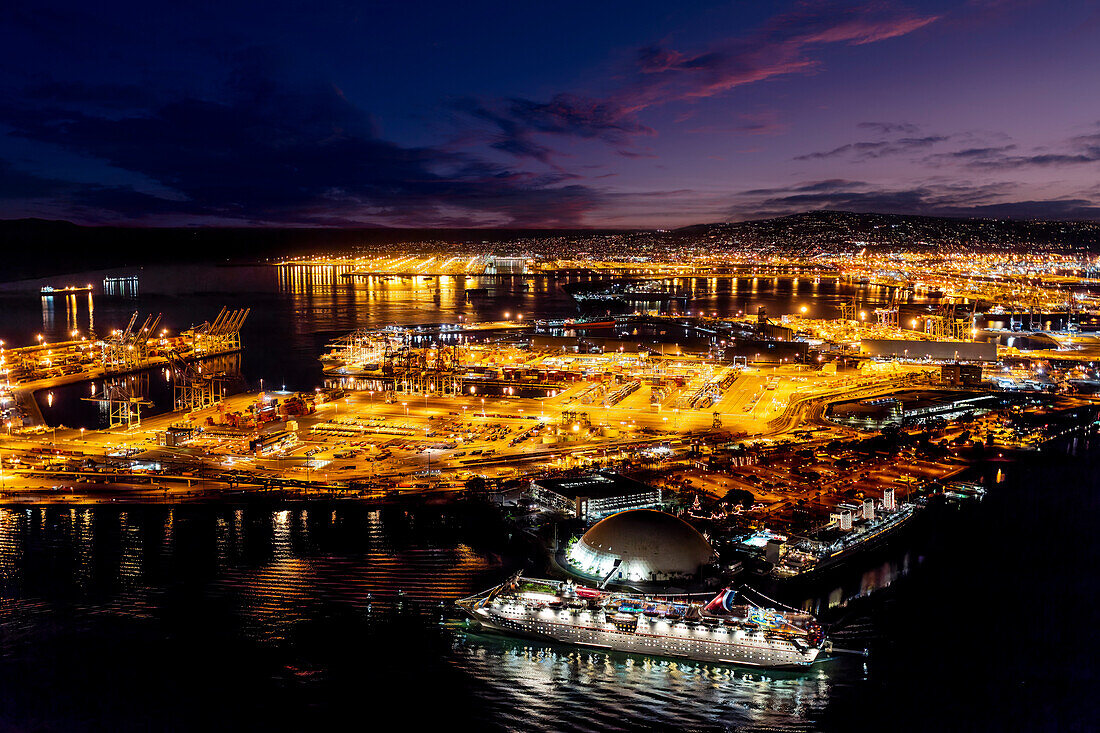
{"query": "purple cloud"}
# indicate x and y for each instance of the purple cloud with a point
(264, 152)
(876, 149)
(890, 128)
(928, 199)
(660, 75)
(1077, 150)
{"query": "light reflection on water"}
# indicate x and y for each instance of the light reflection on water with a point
(285, 575)
(865, 577)
(566, 689)
(296, 310)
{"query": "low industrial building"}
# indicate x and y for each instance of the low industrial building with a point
(961, 375)
(594, 496)
(909, 407)
(873, 414)
(767, 351)
(953, 351)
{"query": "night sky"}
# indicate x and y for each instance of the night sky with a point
(563, 114)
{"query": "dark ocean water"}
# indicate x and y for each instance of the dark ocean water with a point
(288, 618)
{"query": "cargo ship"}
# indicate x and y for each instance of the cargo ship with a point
(590, 323)
(49, 291)
(810, 555)
(730, 629)
(575, 323)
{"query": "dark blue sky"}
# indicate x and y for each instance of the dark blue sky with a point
(565, 114)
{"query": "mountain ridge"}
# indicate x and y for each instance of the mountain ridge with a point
(44, 247)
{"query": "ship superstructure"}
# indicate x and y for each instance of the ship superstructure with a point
(806, 555)
(730, 629)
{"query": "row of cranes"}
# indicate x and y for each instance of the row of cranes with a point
(195, 385)
(221, 336)
(438, 369)
(130, 348)
(948, 322)
(400, 367)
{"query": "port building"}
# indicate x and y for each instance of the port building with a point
(507, 266)
(953, 351)
(595, 496)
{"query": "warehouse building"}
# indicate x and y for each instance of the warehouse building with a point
(594, 496)
(953, 351)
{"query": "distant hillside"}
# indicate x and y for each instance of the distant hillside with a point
(40, 248)
(838, 228)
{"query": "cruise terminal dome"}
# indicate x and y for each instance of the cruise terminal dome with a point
(652, 545)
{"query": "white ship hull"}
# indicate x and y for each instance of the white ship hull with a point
(656, 637)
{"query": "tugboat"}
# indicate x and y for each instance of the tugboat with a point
(730, 629)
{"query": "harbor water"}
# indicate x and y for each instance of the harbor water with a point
(296, 310)
(297, 617)
(309, 617)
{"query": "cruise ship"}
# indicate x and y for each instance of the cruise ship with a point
(730, 629)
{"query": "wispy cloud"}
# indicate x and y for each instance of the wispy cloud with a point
(890, 128)
(784, 45)
(867, 150)
(763, 122)
(1073, 151)
(932, 198)
(518, 121)
(1078, 150)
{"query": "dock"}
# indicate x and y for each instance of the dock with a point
(43, 366)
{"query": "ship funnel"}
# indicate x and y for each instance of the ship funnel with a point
(888, 501)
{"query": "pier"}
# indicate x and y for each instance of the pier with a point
(132, 350)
